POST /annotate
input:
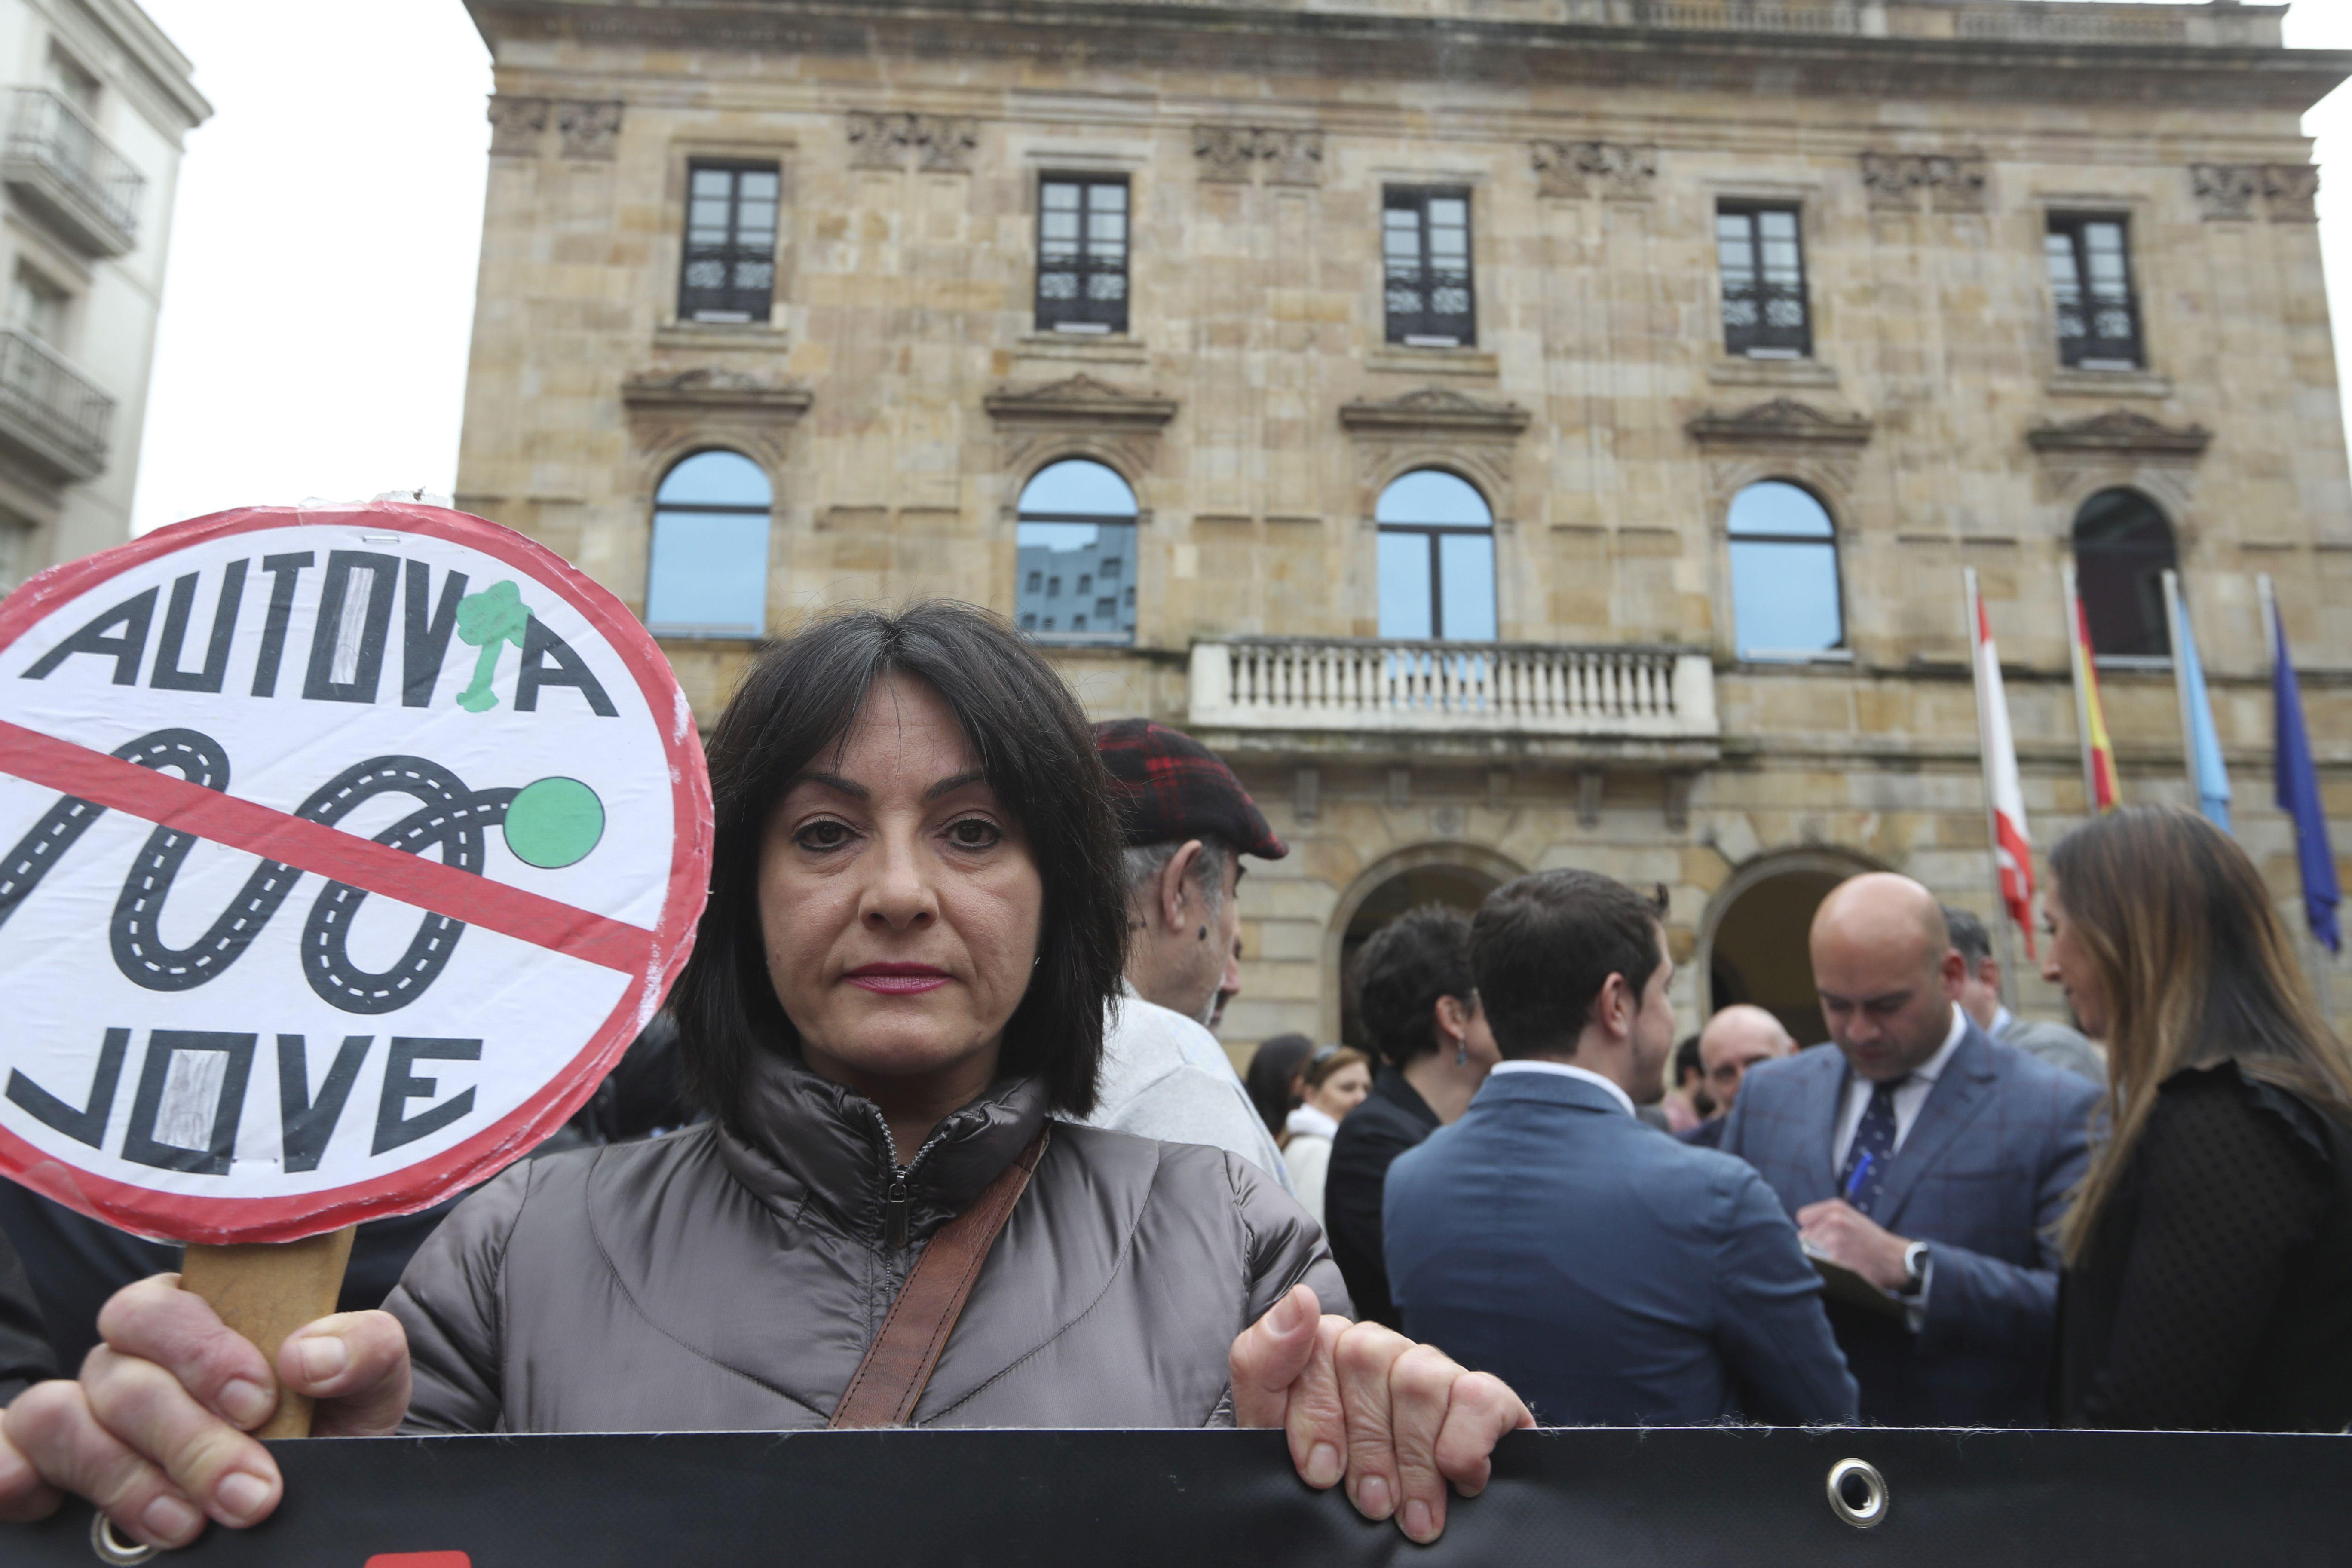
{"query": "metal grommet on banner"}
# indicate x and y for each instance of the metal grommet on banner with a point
(111, 1548)
(1858, 1493)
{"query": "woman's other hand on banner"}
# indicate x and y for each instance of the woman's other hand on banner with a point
(1398, 1421)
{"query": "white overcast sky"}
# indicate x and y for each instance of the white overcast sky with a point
(321, 289)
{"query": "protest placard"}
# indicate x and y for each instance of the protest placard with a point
(341, 853)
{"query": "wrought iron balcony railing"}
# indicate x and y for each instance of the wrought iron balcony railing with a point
(1534, 689)
(48, 411)
(91, 188)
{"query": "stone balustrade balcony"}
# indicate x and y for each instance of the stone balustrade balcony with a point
(56, 163)
(50, 416)
(1378, 695)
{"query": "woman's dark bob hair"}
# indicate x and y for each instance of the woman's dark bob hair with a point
(1038, 752)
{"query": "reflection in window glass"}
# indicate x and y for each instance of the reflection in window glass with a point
(1425, 262)
(1466, 582)
(708, 574)
(2091, 286)
(1082, 255)
(1784, 573)
(1076, 526)
(1436, 559)
(729, 269)
(1406, 605)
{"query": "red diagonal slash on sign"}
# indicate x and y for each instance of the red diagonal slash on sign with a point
(328, 852)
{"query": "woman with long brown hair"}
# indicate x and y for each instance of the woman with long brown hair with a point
(2209, 1255)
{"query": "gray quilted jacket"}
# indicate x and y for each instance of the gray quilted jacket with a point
(707, 1281)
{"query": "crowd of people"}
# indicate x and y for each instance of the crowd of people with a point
(1498, 1212)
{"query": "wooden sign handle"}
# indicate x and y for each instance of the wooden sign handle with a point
(265, 1291)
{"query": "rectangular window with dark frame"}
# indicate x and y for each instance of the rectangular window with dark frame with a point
(1762, 257)
(1081, 254)
(2091, 289)
(1425, 261)
(729, 270)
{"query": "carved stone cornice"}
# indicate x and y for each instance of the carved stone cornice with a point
(1432, 410)
(589, 129)
(2122, 432)
(517, 126)
(2182, 56)
(1783, 422)
(1079, 401)
(2284, 193)
(1611, 169)
(711, 391)
(1954, 182)
(1229, 154)
(939, 144)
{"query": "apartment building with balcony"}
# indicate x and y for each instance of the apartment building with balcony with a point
(1515, 433)
(99, 104)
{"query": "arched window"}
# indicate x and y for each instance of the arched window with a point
(1437, 558)
(709, 571)
(2123, 547)
(1784, 573)
(1075, 551)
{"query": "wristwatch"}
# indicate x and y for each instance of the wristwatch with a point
(1914, 1268)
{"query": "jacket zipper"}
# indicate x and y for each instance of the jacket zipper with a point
(895, 1199)
(894, 1211)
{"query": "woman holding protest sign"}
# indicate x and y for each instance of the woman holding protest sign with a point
(898, 990)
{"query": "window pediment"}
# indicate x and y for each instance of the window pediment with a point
(704, 390)
(1782, 422)
(1079, 400)
(2122, 431)
(1434, 410)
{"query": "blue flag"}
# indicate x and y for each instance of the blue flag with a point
(2298, 796)
(2204, 740)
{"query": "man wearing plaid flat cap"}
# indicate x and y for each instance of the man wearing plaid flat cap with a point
(1187, 823)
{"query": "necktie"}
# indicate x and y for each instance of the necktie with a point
(1874, 1136)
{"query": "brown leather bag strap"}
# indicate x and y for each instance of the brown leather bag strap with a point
(899, 1363)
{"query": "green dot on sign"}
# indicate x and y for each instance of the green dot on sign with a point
(554, 822)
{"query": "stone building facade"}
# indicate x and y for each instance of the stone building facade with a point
(903, 369)
(99, 103)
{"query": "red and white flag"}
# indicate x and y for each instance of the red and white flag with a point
(2013, 850)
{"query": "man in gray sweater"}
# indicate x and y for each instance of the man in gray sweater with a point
(1187, 823)
(1980, 999)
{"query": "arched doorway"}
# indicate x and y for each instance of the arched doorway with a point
(1753, 943)
(1457, 875)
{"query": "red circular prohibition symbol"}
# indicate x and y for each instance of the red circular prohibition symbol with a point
(197, 1218)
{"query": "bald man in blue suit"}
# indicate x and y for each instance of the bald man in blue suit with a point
(1927, 1157)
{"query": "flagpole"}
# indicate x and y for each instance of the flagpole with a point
(2320, 957)
(1992, 823)
(2075, 658)
(2175, 626)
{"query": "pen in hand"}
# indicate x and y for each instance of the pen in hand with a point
(1861, 1174)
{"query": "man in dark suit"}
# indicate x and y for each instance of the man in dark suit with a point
(1926, 1158)
(1419, 1006)
(1608, 1273)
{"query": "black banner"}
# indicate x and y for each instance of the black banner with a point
(1721, 1497)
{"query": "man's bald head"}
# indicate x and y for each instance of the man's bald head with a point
(1884, 966)
(1886, 913)
(1734, 1040)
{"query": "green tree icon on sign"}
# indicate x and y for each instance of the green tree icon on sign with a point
(489, 620)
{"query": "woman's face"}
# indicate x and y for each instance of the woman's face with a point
(1343, 1090)
(2069, 964)
(898, 904)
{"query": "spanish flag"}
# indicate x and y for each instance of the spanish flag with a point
(2100, 789)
